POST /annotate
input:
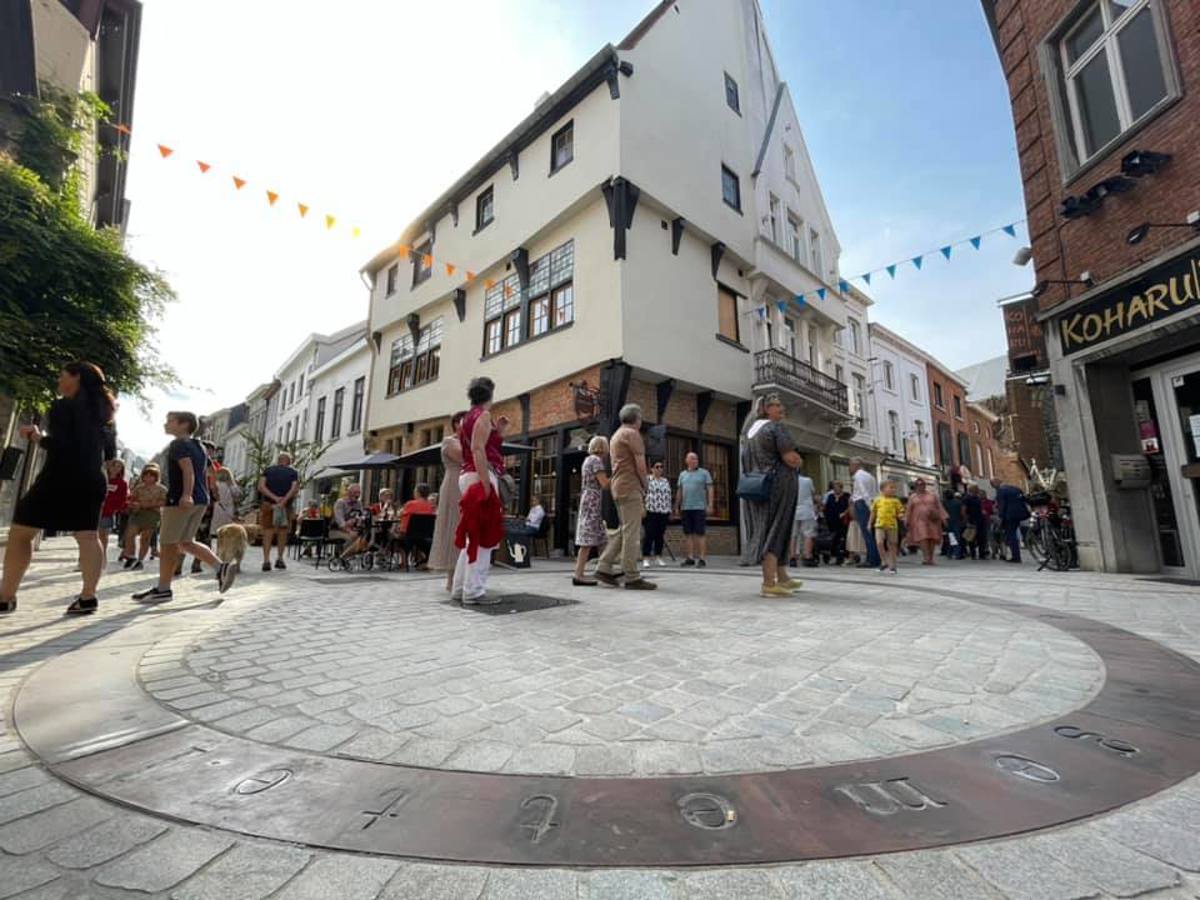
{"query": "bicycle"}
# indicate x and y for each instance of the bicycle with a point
(1051, 537)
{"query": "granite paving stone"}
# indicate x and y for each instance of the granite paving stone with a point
(1025, 873)
(165, 862)
(20, 874)
(618, 884)
(246, 872)
(53, 825)
(428, 882)
(1114, 868)
(104, 842)
(531, 884)
(24, 803)
(343, 876)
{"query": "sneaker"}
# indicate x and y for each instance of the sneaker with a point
(584, 582)
(137, 566)
(640, 584)
(266, 567)
(482, 600)
(661, 562)
(610, 580)
(128, 562)
(153, 595)
(882, 569)
(688, 562)
(791, 584)
(775, 591)
(280, 564)
(83, 606)
(701, 563)
(645, 563)
(892, 571)
(226, 572)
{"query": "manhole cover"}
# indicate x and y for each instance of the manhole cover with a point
(516, 603)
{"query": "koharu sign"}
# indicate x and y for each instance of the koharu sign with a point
(1164, 291)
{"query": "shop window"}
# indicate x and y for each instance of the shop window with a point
(413, 365)
(544, 466)
(727, 317)
(677, 448)
(546, 305)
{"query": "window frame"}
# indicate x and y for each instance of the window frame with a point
(774, 209)
(356, 404)
(789, 163)
(796, 233)
(854, 327)
(734, 103)
(488, 196)
(392, 278)
(914, 384)
(421, 274)
(858, 387)
(1060, 75)
(889, 376)
(722, 293)
(737, 184)
(335, 420)
(319, 430)
(958, 409)
(939, 396)
(420, 362)
(498, 327)
(894, 430)
(569, 130)
(964, 442)
(816, 258)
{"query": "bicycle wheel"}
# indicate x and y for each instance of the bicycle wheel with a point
(1036, 541)
(1061, 550)
(367, 560)
(337, 564)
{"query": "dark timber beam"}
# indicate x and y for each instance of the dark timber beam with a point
(621, 197)
(703, 405)
(514, 164)
(520, 261)
(676, 234)
(460, 303)
(414, 328)
(665, 389)
(718, 250)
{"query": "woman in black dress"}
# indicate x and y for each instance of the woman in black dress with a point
(69, 492)
(771, 450)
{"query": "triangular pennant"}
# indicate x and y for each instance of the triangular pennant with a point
(762, 313)
(799, 299)
(427, 261)
(781, 306)
(891, 270)
(1010, 230)
(470, 275)
(844, 286)
(488, 283)
(272, 197)
(866, 276)
(507, 290)
(821, 293)
(357, 232)
(449, 269)
(946, 251)
(204, 167)
(165, 151)
(303, 209)
(403, 250)
(330, 221)
(239, 183)
(917, 260)
(123, 129)
(976, 241)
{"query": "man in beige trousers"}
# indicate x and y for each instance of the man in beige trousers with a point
(628, 487)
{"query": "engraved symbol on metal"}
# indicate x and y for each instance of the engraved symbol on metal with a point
(886, 798)
(1023, 767)
(707, 811)
(390, 809)
(546, 805)
(1122, 748)
(263, 781)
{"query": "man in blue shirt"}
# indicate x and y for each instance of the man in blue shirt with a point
(694, 504)
(1012, 510)
(187, 498)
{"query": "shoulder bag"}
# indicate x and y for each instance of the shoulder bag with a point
(755, 487)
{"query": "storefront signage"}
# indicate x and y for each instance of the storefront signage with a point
(1024, 334)
(1165, 291)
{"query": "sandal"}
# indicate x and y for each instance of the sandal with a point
(8, 606)
(82, 606)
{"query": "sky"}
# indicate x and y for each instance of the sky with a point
(368, 109)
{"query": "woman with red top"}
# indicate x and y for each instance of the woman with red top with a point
(481, 523)
(116, 504)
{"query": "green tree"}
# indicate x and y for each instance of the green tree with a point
(67, 290)
(262, 453)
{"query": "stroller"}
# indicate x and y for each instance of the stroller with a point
(823, 543)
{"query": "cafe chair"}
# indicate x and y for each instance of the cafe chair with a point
(314, 534)
(418, 539)
(542, 537)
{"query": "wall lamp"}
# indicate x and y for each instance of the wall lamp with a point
(1040, 287)
(1143, 162)
(1137, 235)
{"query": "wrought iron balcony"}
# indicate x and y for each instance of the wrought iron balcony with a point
(774, 368)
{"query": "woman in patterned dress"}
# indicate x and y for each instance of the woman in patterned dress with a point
(589, 525)
(658, 513)
(770, 449)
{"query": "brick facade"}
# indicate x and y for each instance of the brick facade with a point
(945, 414)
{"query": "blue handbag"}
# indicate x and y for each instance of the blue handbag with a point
(755, 487)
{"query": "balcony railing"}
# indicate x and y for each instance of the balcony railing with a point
(779, 368)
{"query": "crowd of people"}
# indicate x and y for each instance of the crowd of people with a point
(626, 503)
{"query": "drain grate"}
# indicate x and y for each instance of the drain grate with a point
(516, 603)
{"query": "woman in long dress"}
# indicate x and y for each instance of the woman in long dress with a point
(589, 524)
(924, 518)
(69, 492)
(771, 450)
(443, 555)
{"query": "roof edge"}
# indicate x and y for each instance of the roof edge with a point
(631, 40)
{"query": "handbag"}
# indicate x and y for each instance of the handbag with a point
(279, 516)
(969, 534)
(755, 487)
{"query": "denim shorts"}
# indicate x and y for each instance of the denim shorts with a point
(694, 521)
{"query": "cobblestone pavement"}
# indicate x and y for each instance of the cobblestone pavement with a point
(700, 676)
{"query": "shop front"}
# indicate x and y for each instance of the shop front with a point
(1125, 361)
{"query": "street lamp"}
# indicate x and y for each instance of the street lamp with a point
(1040, 287)
(1138, 234)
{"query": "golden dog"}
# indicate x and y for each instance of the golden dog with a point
(232, 542)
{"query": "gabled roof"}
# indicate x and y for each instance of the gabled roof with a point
(985, 379)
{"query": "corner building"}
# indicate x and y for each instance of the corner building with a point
(639, 237)
(1106, 105)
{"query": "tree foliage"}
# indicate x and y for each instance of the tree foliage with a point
(262, 453)
(67, 290)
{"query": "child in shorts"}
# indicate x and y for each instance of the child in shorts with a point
(886, 512)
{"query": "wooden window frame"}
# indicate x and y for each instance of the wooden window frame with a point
(335, 420)
(737, 185)
(356, 405)
(421, 274)
(521, 314)
(416, 367)
(733, 99)
(567, 130)
(722, 293)
(486, 201)
(393, 276)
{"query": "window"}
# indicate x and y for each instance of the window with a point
(894, 430)
(937, 396)
(860, 398)
(775, 223)
(287, 433)
(812, 345)
(291, 393)
(789, 336)
(839, 373)
(789, 162)
(339, 400)
(562, 147)
(975, 427)
(889, 376)
(544, 470)
(796, 238)
(979, 470)
(731, 94)
(731, 188)
(727, 314)
(485, 210)
(964, 449)
(304, 428)
(422, 263)
(814, 252)
(300, 389)
(718, 459)
(319, 433)
(1113, 68)
(914, 385)
(990, 469)
(919, 426)
(855, 336)
(957, 407)
(411, 365)
(392, 273)
(945, 445)
(769, 327)
(356, 405)
(546, 304)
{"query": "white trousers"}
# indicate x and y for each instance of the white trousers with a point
(470, 578)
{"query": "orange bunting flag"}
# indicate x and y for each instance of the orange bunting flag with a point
(330, 221)
(507, 291)
(165, 151)
(470, 275)
(427, 261)
(403, 250)
(449, 269)
(488, 283)
(357, 232)
(123, 129)
(303, 210)
(272, 197)
(204, 167)
(239, 183)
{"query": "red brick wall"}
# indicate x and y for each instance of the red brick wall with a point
(950, 390)
(1063, 249)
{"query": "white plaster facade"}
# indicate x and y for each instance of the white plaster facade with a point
(900, 397)
(335, 381)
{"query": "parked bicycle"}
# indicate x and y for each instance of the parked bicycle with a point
(1051, 537)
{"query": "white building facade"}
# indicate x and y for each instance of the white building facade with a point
(336, 392)
(900, 398)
